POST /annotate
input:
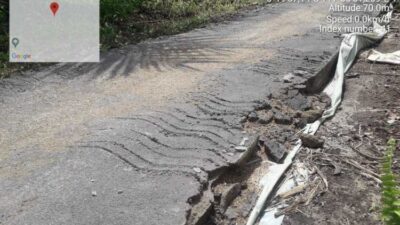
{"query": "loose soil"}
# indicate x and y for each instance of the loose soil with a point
(369, 116)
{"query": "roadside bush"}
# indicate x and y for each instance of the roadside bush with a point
(4, 5)
(117, 10)
(140, 19)
(112, 13)
(390, 188)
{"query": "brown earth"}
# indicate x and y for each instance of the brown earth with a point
(355, 142)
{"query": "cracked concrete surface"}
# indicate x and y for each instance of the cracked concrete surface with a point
(145, 127)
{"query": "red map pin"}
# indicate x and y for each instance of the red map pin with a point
(54, 6)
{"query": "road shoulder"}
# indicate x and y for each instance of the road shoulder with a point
(355, 141)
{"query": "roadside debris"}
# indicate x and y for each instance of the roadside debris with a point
(265, 118)
(391, 58)
(244, 140)
(252, 117)
(311, 116)
(288, 78)
(311, 141)
(351, 45)
(294, 191)
(350, 159)
(277, 121)
(197, 170)
(352, 75)
(296, 77)
(229, 195)
(275, 151)
(281, 118)
(323, 177)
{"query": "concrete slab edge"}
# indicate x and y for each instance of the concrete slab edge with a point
(201, 211)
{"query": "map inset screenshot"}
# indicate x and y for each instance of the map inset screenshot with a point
(54, 31)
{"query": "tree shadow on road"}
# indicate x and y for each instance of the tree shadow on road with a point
(181, 51)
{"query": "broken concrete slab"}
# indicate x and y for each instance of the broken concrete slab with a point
(311, 116)
(200, 212)
(229, 195)
(281, 118)
(248, 150)
(264, 105)
(265, 118)
(299, 102)
(275, 151)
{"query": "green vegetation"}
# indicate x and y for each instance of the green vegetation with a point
(129, 21)
(3, 34)
(113, 13)
(136, 20)
(390, 188)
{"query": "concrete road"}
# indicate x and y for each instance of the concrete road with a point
(133, 139)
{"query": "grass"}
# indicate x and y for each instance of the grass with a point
(114, 13)
(126, 22)
(3, 36)
(390, 188)
(153, 18)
